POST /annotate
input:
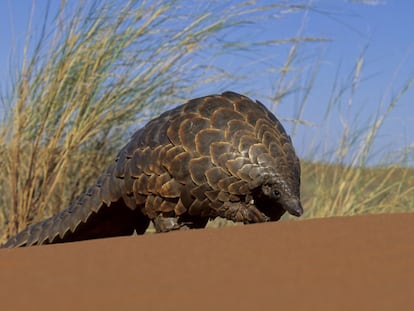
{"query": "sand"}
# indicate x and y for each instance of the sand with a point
(347, 263)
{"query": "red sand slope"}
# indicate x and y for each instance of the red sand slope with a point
(349, 263)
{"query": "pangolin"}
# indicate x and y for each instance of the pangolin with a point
(220, 155)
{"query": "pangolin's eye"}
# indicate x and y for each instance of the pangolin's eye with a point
(276, 194)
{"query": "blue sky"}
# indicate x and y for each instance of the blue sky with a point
(383, 31)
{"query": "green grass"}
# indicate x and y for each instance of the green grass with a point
(103, 69)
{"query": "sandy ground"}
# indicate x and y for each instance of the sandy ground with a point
(349, 263)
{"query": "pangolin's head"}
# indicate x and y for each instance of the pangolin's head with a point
(275, 196)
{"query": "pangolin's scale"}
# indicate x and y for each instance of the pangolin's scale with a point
(209, 157)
